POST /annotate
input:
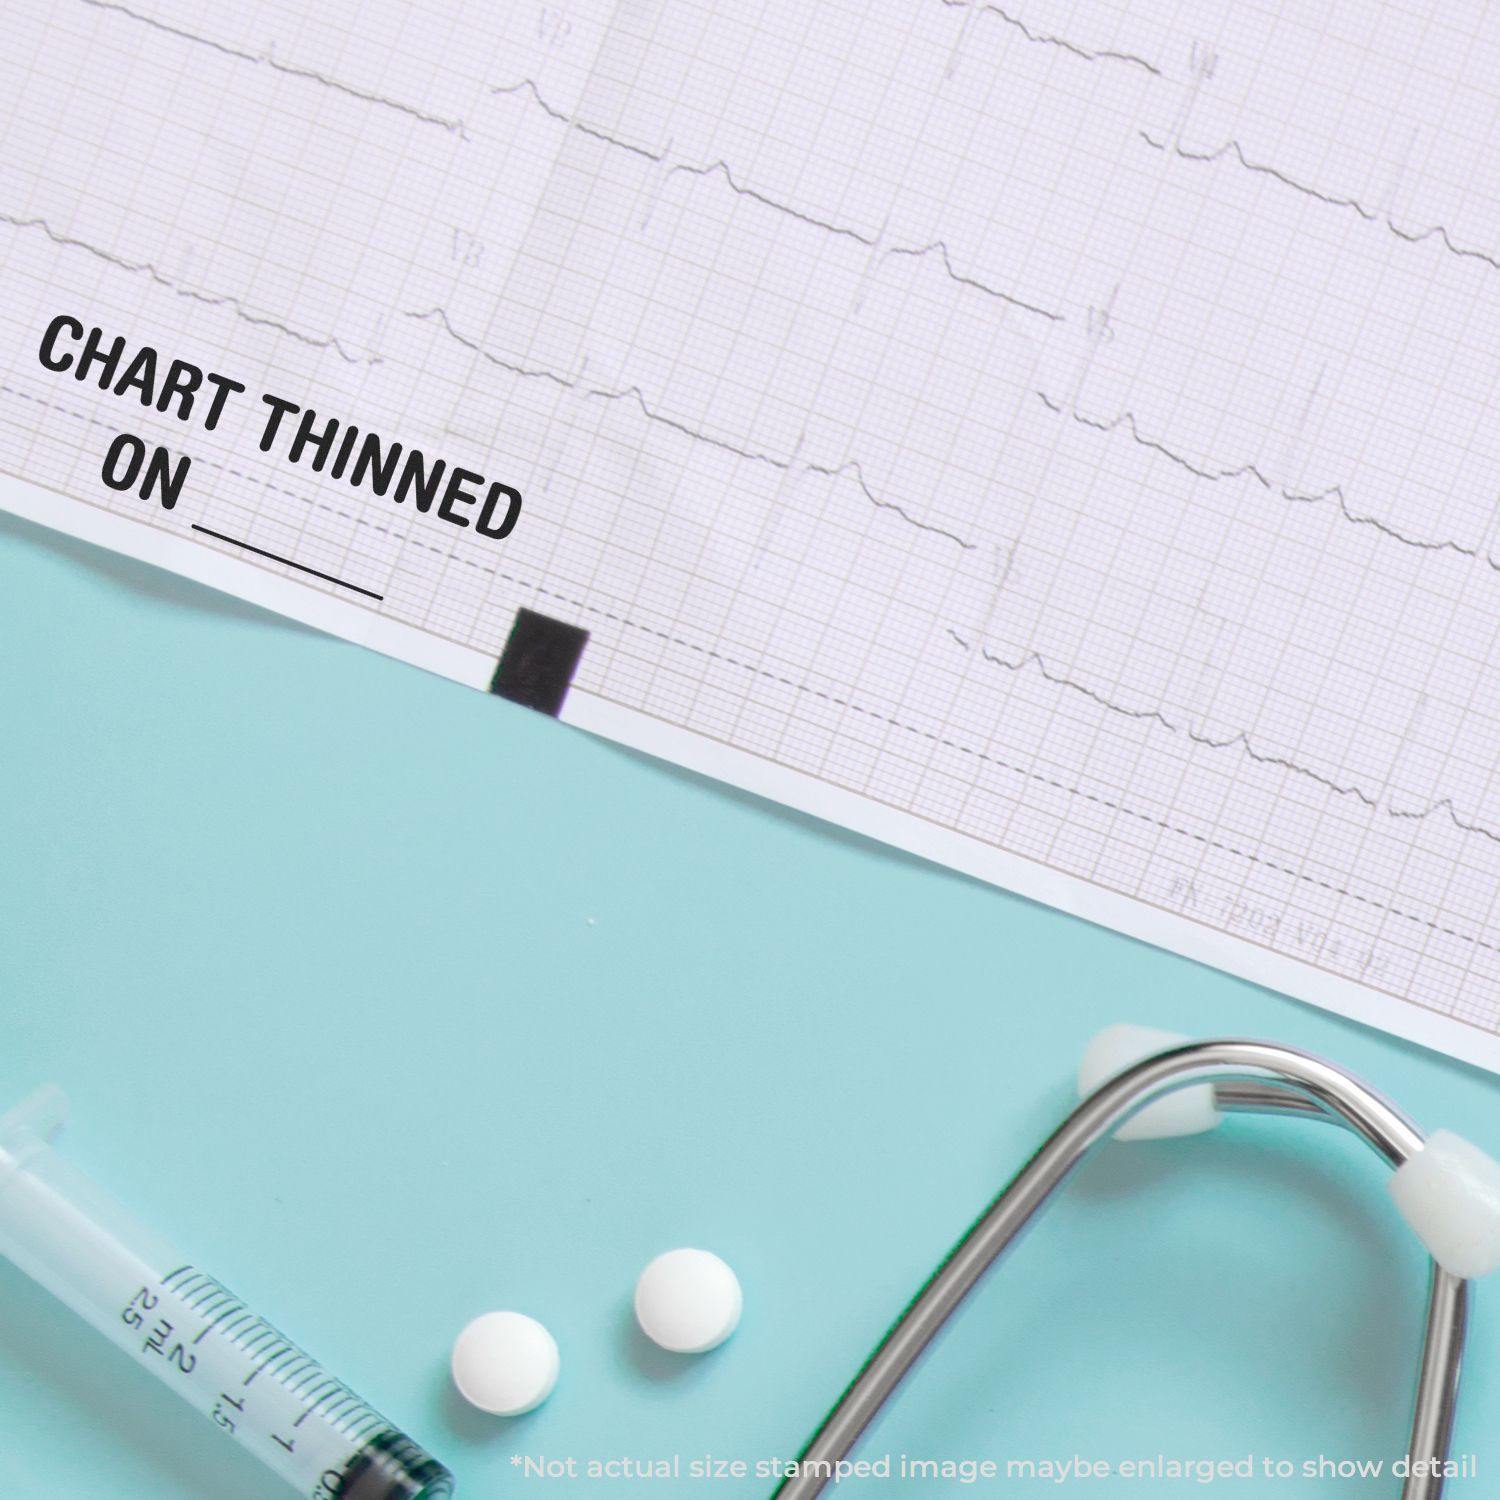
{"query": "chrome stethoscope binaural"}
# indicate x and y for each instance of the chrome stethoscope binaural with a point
(1140, 1084)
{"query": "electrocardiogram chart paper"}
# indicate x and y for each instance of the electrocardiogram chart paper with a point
(1056, 437)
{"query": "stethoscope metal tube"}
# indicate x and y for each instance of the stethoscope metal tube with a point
(1447, 1299)
(1246, 1075)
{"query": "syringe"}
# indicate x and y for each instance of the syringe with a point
(183, 1326)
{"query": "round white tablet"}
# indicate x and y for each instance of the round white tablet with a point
(688, 1301)
(505, 1363)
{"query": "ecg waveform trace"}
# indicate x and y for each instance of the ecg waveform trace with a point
(268, 59)
(920, 429)
(210, 299)
(1233, 151)
(1248, 470)
(723, 170)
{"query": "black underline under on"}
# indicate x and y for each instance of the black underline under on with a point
(276, 557)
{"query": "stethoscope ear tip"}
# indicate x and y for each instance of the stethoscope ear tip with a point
(1185, 1111)
(1449, 1193)
(1447, 1189)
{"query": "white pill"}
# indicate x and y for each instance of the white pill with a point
(688, 1301)
(505, 1363)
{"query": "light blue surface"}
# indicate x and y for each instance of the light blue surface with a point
(394, 1003)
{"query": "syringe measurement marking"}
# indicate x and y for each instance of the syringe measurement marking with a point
(299, 1376)
(227, 1423)
(331, 1387)
(344, 1411)
(222, 1311)
(256, 1342)
(309, 1380)
(283, 1352)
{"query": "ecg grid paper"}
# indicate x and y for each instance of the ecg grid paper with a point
(1056, 437)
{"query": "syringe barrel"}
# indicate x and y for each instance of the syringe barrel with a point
(256, 1386)
(66, 1232)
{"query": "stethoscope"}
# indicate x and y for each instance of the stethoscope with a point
(1140, 1084)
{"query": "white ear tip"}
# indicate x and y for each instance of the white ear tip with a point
(1449, 1193)
(1185, 1111)
(1118, 1047)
